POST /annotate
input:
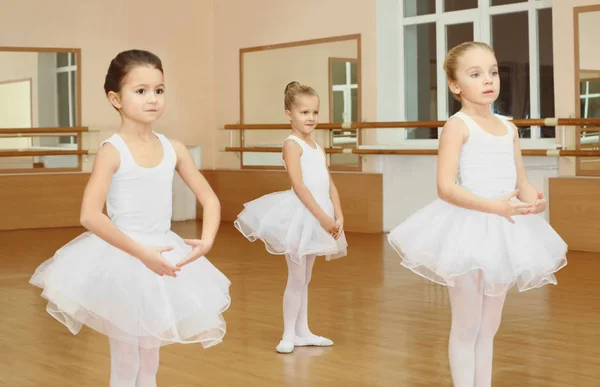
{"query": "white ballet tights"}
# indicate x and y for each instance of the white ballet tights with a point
(295, 299)
(132, 365)
(475, 321)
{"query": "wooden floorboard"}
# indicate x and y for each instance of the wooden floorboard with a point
(390, 326)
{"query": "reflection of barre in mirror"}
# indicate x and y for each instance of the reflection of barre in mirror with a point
(40, 110)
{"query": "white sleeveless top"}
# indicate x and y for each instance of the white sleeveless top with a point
(314, 169)
(140, 199)
(487, 162)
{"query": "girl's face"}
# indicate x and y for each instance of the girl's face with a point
(304, 115)
(477, 79)
(142, 97)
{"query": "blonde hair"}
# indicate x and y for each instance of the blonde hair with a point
(454, 55)
(294, 89)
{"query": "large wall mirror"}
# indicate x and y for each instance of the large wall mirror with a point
(39, 88)
(587, 83)
(331, 66)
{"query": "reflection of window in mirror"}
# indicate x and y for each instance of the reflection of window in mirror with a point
(66, 68)
(588, 77)
(589, 138)
(589, 94)
(343, 107)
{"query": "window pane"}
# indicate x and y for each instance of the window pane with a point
(338, 106)
(513, 63)
(546, 56)
(63, 99)
(504, 2)
(73, 98)
(338, 70)
(354, 95)
(62, 59)
(421, 78)
(524, 132)
(594, 86)
(455, 35)
(458, 5)
(353, 73)
(418, 7)
(593, 109)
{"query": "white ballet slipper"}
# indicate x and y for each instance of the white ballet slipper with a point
(316, 341)
(285, 347)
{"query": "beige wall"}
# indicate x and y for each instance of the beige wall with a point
(564, 68)
(241, 24)
(180, 32)
(589, 31)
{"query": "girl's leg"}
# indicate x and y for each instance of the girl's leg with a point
(466, 300)
(149, 358)
(124, 363)
(303, 334)
(302, 329)
(484, 346)
(292, 299)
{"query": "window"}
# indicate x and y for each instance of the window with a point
(520, 31)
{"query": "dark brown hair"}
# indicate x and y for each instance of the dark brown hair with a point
(122, 64)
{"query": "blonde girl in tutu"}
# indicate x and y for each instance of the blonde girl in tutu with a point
(482, 236)
(129, 276)
(301, 223)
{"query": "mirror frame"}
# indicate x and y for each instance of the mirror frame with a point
(58, 129)
(340, 38)
(576, 12)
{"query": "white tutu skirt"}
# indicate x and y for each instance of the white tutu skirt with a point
(91, 282)
(286, 226)
(442, 242)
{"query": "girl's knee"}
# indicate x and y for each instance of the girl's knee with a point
(466, 329)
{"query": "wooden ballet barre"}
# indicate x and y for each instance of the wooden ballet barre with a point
(422, 152)
(29, 131)
(524, 152)
(418, 124)
(28, 153)
(274, 149)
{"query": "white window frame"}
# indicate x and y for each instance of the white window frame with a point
(481, 18)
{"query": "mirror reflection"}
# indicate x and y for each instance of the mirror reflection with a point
(589, 88)
(38, 142)
(38, 89)
(331, 67)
